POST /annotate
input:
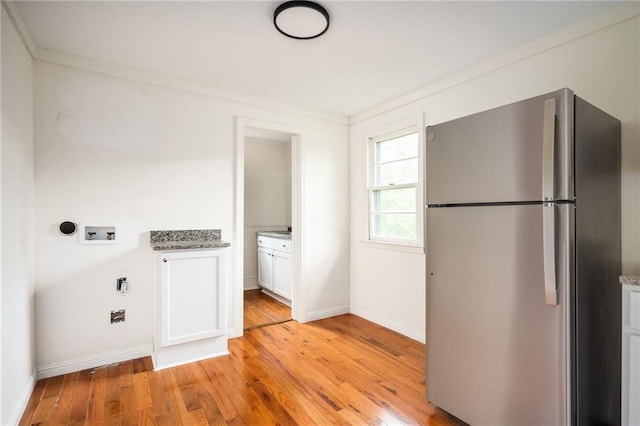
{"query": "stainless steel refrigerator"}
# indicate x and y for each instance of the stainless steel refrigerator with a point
(523, 258)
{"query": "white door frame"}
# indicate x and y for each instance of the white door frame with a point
(237, 291)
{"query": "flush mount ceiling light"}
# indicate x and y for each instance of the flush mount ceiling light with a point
(301, 20)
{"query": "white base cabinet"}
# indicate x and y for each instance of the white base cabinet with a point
(190, 307)
(630, 355)
(274, 265)
(265, 268)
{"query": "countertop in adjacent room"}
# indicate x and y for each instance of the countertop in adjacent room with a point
(282, 235)
(630, 280)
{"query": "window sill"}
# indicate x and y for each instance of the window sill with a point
(408, 248)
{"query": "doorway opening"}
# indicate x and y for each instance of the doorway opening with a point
(267, 225)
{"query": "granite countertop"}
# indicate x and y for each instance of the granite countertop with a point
(630, 279)
(282, 235)
(192, 239)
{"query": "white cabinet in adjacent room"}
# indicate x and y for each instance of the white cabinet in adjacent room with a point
(630, 355)
(190, 305)
(282, 273)
(274, 266)
(265, 268)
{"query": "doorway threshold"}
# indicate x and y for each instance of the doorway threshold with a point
(253, 327)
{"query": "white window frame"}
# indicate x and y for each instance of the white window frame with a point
(414, 245)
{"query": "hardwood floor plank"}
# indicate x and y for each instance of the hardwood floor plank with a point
(78, 411)
(203, 395)
(350, 364)
(260, 309)
(377, 360)
(112, 399)
(159, 402)
(32, 405)
(128, 406)
(65, 398)
(187, 392)
(180, 406)
(340, 370)
(139, 366)
(54, 384)
(287, 388)
(305, 369)
(251, 410)
(169, 387)
(259, 402)
(45, 411)
(198, 418)
(145, 414)
(126, 373)
(218, 395)
(411, 352)
(97, 394)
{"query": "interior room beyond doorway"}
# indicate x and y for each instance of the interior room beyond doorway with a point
(267, 208)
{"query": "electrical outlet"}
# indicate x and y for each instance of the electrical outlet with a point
(122, 285)
(117, 316)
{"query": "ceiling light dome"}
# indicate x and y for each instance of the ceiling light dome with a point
(301, 19)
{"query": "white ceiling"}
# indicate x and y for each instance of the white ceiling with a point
(372, 52)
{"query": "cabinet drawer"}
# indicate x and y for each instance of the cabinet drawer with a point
(274, 243)
(634, 310)
(283, 245)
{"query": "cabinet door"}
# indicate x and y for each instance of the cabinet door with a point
(634, 379)
(282, 274)
(191, 296)
(265, 268)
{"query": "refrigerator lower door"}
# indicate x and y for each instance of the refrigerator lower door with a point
(496, 352)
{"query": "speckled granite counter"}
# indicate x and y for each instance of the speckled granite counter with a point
(282, 235)
(630, 280)
(192, 239)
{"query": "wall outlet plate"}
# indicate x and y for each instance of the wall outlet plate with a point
(117, 316)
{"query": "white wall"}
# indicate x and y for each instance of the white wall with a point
(600, 65)
(267, 196)
(119, 150)
(18, 352)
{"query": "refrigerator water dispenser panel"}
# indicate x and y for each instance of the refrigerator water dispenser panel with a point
(98, 234)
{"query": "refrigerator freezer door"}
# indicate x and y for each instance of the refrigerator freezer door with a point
(496, 353)
(497, 155)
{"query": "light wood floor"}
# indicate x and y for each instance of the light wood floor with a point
(342, 370)
(260, 310)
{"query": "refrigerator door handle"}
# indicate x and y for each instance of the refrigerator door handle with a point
(548, 206)
(549, 253)
(548, 148)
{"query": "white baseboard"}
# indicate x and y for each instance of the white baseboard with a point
(187, 361)
(414, 334)
(251, 283)
(277, 297)
(18, 410)
(326, 313)
(232, 333)
(80, 364)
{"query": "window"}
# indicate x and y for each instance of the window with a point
(393, 187)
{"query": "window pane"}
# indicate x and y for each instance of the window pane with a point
(397, 173)
(394, 200)
(397, 148)
(402, 226)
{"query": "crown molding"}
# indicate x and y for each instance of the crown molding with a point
(129, 73)
(629, 10)
(18, 23)
(144, 76)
